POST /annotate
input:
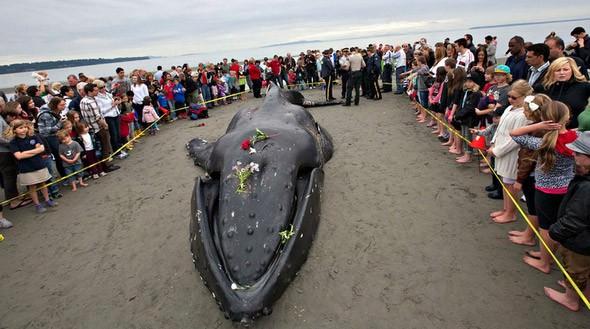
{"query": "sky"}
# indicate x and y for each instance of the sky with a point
(70, 29)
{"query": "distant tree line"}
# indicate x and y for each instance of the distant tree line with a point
(39, 66)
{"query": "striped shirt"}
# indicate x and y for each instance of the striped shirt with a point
(90, 112)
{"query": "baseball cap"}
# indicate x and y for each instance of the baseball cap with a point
(502, 69)
(581, 144)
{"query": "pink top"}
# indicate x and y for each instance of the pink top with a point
(149, 114)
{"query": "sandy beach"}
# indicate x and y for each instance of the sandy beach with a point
(404, 241)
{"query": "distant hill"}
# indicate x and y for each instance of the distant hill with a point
(39, 66)
(290, 43)
(528, 23)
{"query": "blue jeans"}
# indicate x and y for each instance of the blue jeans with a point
(398, 80)
(71, 169)
(423, 98)
(50, 164)
(206, 91)
(172, 109)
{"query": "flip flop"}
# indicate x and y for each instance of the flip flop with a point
(21, 204)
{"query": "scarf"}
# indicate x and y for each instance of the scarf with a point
(563, 139)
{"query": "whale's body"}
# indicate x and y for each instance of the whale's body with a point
(234, 236)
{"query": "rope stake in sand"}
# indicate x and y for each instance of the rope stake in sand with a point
(518, 207)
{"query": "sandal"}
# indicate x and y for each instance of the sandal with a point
(22, 203)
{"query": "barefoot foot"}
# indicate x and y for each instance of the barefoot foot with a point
(497, 213)
(522, 240)
(504, 219)
(572, 304)
(537, 263)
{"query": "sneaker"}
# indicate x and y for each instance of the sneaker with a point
(5, 223)
(50, 203)
(40, 209)
(122, 155)
(102, 174)
(95, 176)
(56, 195)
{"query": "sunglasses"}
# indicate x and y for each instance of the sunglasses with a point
(513, 97)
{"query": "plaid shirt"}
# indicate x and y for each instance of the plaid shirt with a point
(48, 123)
(90, 112)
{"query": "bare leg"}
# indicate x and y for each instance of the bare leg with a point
(542, 264)
(509, 215)
(526, 237)
(81, 182)
(74, 188)
(34, 195)
(45, 193)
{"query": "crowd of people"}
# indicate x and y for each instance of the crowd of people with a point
(532, 111)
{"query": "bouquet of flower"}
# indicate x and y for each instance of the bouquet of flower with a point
(243, 173)
(248, 143)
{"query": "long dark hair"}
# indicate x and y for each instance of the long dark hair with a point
(485, 56)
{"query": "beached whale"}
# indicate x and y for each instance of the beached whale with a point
(255, 214)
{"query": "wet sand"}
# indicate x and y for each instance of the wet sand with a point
(404, 241)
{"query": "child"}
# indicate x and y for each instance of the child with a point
(466, 114)
(32, 171)
(89, 157)
(525, 180)
(488, 134)
(221, 91)
(149, 115)
(505, 150)
(434, 96)
(179, 98)
(70, 153)
(553, 171)
(168, 89)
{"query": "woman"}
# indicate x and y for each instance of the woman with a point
(480, 65)
(255, 76)
(139, 92)
(49, 122)
(440, 55)
(28, 106)
(452, 50)
(565, 83)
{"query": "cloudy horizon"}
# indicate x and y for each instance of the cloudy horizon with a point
(154, 28)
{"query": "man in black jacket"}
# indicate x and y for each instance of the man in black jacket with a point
(328, 73)
(373, 72)
(572, 229)
(537, 56)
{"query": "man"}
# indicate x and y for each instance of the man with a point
(120, 84)
(90, 112)
(556, 47)
(516, 62)
(310, 69)
(409, 51)
(356, 75)
(327, 74)
(581, 44)
(275, 71)
(387, 69)
(491, 49)
(73, 82)
(344, 65)
(537, 56)
(225, 66)
(373, 73)
(464, 55)
(400, 67)
(109, 109)
(75, 103)
(158, 74)
(470, 44)
(572, 229)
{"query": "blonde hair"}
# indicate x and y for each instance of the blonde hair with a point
(62, 134)
(557, 112)
(521, 87)
(541, 100)
(549, 79)
(9, 132)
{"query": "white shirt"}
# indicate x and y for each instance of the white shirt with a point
(344, 63)
(158, 75)
(87, 141)
(139, 92)
(465, 59)
(105, 104)
(440, 63)
(388, 58)
(400, 58)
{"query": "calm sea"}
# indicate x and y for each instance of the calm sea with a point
(533, 33)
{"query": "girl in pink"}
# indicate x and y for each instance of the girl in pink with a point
(149, 115)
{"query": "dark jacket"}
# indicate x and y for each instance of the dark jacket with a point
(327, 68)
(518, 67)
(539, 80)
(574, 94)
(572, 228)
(466, 106)
(374, 65)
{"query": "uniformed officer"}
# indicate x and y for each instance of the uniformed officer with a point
(328, 74)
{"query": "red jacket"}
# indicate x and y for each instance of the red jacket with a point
(236, 68)
(126, 119)
(254, 72)
(169, 91)
(275, 66)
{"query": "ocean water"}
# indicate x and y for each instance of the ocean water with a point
(534, 33)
